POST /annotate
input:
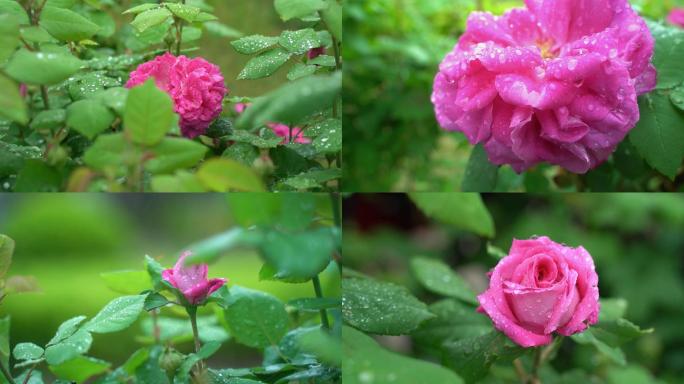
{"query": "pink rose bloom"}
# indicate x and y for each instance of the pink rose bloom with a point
(542, 287)
(195, 85)
(192, 280)
(555, 82)
(676, 17)
(279, 129)
(315, 52)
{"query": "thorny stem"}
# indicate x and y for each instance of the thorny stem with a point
(319, 294)
(155, 326)
(534, 375)
(520, 370)
(338, 60)
(28, 375)
(179, 33)
(34, 15)
(7, 374)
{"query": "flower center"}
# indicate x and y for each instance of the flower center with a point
(546, 48)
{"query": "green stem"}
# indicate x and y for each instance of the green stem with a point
(6, 373)
(337, 216)
(179, 33)
(319, 294)
(192, 311)
(538, 359)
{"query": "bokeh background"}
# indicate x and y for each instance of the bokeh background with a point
(635, 239)
(392, 51)
(67, 240)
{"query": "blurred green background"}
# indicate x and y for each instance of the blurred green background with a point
(635, 239)
(392, 51)
(67, 240)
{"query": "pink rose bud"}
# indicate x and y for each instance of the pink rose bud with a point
(542, 287)
(283, 131)
(547, 83)
(240, 107)
(315, 52)
(195, 85)
(192, 280)
(23, 90)
(676, 17)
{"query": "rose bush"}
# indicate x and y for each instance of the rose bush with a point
(79, 115)
(539, 288)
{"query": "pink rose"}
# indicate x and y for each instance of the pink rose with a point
(676, 17)
(279, 129)
(23, 90)
(542, 287)
(192, 280)
(195, 85)
(555, 82)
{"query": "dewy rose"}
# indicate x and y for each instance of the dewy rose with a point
(542, 287)
(192, 280)
(195, 85)
(555, 82)
(676, 17)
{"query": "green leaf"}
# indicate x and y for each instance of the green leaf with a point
(243, 136)
(186, 12)
(613, 353)
(332, 16)
(6, 252)
(114, 98)
(669, 53)
(69, 348)
(380, 307)
(12, 105)
(241, 152)
(66, 329)
(148, 115)
(657, 135)
(41, 68)
(677, 97)
(66, 25)
(14, 10)
(9, 36)
(265, 64)
(439, 278)
(37, 176)
(314, 304)
(330, 140)
(323, 60)
(313, 179)
(495, 252)
(154, 269)
(222, 175)
(249, 45)
(210, 249)
(27, 351)
(612, 309)
(219, 377)
(150, 18)
(462, 210)
(289, 9)
(631, 374)
(49, 119)
(155, 300)
(137, 359)
(173, 153)
(364, 361)
(455, 321)
(300, 256)
(118, 314)
(127, 282)
(208, 349)
(182, 181)
(299, 42)
(89, 117)
(256, 319)
(471, 358)
(141, 8)
(300, 70)
(480, 174)
(80, 369)
(293, 102)
(111, 151)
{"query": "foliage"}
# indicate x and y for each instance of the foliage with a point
(300, 340)
(392, 63)
(416, 278)
(68, 123)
